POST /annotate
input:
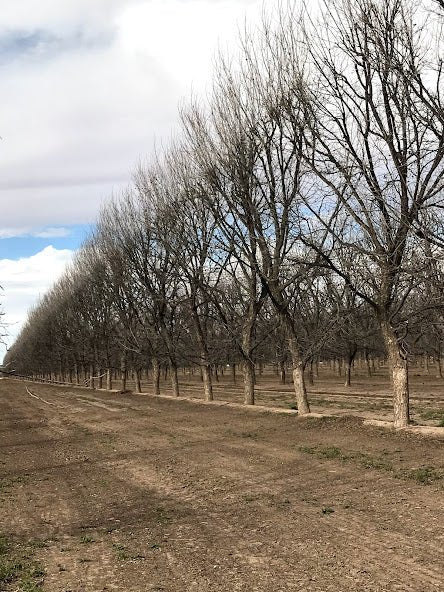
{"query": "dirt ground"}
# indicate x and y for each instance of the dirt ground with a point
(369, 397)
(102, 491)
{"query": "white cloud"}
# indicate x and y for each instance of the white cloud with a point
(24, 280)
(50, 232)
(13, 232)
(75, 122)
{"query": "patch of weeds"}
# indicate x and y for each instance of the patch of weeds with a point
(29, 585)
(424, 475)
(293, 406)
(38, 544)
(122, 551)
(252, 435)
(369, 462)
(18, 568)
(4, 545)
(323, 451)
(330, 452)
(37, 571)
(307, 449)
(333, 452)
(441, 423)
(7, 482)
(248, 498)
(162, 516)
(10, 571)
(326, 511)
(124, 554)
(437, 414)
(86, 540)
(280, 504)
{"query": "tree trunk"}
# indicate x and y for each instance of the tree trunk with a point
(138, 385)
(340, 362)
(348, 367)
(174, 378)
(156, 376)
(91, 376)
(439, 361)
(367, 363)
(282, 372)
(109, 380)
(77, 374)
(207, 382)
(248, 382)
(123, 373)
(247, 361)
(400, 379)
(205, 365)
(298, 378)
(349, 363)
(233, 372)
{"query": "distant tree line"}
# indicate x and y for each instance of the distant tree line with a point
(297, 217)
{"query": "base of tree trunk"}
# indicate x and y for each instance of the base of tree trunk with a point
(300, 390)
(401, 411)
(207, 383)
(248, 383)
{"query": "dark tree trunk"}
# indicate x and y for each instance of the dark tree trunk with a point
(156, 376)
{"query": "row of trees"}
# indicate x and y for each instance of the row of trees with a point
(299, 215)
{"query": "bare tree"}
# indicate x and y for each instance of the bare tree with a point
(189, 235)
(373, 137)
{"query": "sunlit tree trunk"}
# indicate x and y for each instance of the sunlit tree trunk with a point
(282, 372)
(298, 378)
(400, 378)
(109, 380)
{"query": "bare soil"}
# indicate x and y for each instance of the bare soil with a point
(135, 493)
(368, 397)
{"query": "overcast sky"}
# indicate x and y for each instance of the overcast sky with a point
(88, 88)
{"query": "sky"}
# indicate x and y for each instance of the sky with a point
(89, 88)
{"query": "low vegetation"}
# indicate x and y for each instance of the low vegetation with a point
(19, 572)
(425, 475)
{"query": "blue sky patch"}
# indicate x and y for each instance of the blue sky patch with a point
(24, 246)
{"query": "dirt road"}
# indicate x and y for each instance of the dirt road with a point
(133, 493)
